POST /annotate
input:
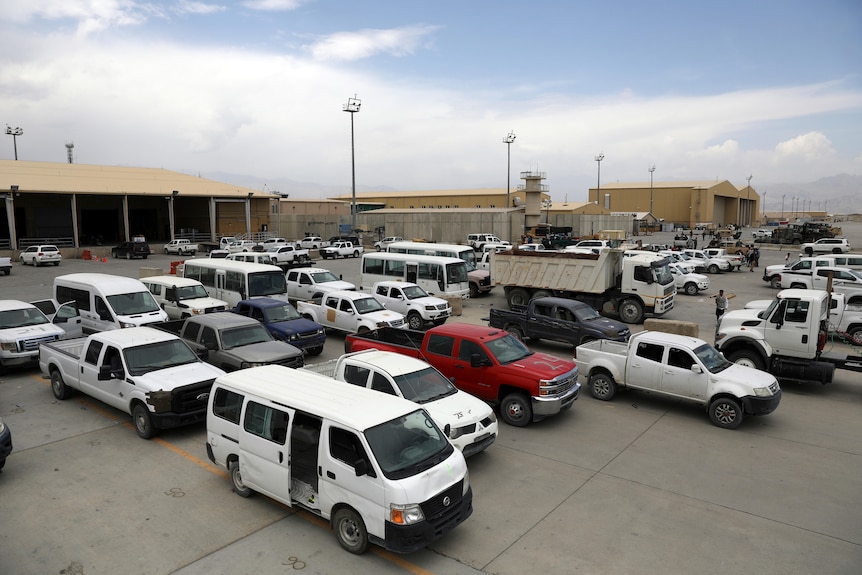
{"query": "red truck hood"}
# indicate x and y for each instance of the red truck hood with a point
(544, 365)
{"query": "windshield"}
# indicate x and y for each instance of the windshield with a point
(414, 292)
(191, 292)
(508, 349)
(246, 335)
(408, 445)
(424, 386)
(586, 313)
(768, 311)
(132, 303)
(367, 305)
(155, 356)
(282, 313)
(468, 256)
(266, 283)
(711, 358)
(663, 275)
(324, 277)
(21, 317)
(456, 272)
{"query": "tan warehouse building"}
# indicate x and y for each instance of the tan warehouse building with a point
(684, 203)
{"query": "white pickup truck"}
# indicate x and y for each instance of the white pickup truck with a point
(310, 283)
(145, 372)
(6, 265)
(735, 260)
(181, 247)
(469, 422)
(412, 301)
(287, 254)
(712, 265)
(844, 281)
(341, 250)
(680, 367)
(313, 243)
(23, 328)
(350, 312)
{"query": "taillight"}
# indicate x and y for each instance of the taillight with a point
(821, 340)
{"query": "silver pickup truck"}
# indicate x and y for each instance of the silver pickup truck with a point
(150, 374)
(681, 367)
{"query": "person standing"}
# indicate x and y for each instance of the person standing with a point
(721, 304)
(787, 259)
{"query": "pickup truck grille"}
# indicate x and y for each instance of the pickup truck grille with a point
(396, 322)
(773, 387)
(192, 397)
(294, 362)
(32, 344)
(562, 384)
(437, 513)
(442, 306)
(485, 281)
(214, 309)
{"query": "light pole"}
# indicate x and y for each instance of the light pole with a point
(510, 137)
(352, 106)
(599, 159)
(782, 206)
(651, 170)
(764, 207)
(14, 132)
(748, 201)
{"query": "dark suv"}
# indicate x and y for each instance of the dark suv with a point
(131, 250)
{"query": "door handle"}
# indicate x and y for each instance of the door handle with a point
(330, 475)
(280, 457)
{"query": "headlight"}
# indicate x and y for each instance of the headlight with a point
(762, 392)
(320, 331)
(455, 432)
(247, 364)
(2, 426)
(9, 346)
(292, 337)
(405, 514)
(197, 311)
(430, 308)
(124, 324)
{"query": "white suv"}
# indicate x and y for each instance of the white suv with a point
(826, 245)
(381, 245)
(478, 241)
(38, 255)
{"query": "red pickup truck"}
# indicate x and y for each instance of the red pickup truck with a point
(489, 363)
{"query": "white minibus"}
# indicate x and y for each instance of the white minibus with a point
(375, 466)
(480, 279)
(107, 301)
(233, 281)
(439, 276)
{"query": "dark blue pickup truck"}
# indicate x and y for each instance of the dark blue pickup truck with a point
(558, 319)
(284, 323)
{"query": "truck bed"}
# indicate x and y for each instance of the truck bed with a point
(585, 352)
(391, 337)
(557, 271)
(71, 347)
(326, 368)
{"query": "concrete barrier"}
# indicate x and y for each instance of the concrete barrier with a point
(688, 328)
(149, 272)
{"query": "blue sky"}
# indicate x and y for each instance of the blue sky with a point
(255, 89)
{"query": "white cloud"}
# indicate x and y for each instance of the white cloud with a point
(188, 7)
(274, 5)
(350, 46)
(812, 146)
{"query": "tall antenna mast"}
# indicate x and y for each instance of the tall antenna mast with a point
(69, 147)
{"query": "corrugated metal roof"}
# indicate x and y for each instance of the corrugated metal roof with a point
(49, 177)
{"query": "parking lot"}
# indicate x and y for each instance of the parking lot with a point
(635, 485)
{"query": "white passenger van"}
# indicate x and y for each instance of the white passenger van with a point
(233, 281)
(376, 466)
(462, 252)
(108, 302)
(182, 297)
(439, 276)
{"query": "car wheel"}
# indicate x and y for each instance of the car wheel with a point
(166, 251)
(836, 250)
(474, 290)
(350, 530)
(603, 386)
(239, 487)
(516, 410)
(516, 331)
(518, 296)
(58, 386)
(23, 263)
(631, 311)
(56, 264)
(315, 350)
(690, 288)
(774, 282)
(797, 286)
(414, 320)
(128, 255)
(725, 413)
(356, 254)
(143, 421)
(747, 358)
(541, 293)
(713, 269)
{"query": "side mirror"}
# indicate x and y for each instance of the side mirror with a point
(446, 429)
(361, 467)
(203, 353)
(696, 368)
(476, 360)
(107, 374)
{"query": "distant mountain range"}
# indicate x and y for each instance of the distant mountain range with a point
(841, 194)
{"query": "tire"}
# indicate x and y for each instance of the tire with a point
(350, 531)
(114, 254)
(541, 293)
(855, 335)
(128, 255)
(56, 264)
(602, 386)
(315, 350)
(58, 386)
(356, 253)
(239, 487)
(415, 321)
(747, 358)
(726, 413)
(518, 296)
(713, 269)
(362, 329)
(809, 252)
(515, 410)
(474, 290)
(797, 286)
(773, 282)
(690, 288)
(166, 251)
(143, 422)
(836, 250)
(23, 263)
(631, 311)
(516, 331)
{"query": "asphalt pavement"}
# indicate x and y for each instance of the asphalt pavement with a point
(636, 485)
